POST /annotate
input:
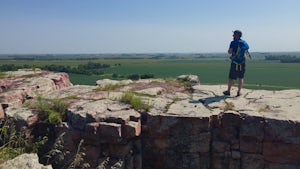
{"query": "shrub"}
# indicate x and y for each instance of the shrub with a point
(147, 76)
(114, 75)
(134, 77)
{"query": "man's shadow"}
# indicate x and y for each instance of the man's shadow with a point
(209, 100)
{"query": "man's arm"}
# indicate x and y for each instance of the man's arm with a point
(230, 51)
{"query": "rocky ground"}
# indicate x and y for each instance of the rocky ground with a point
(175, 123)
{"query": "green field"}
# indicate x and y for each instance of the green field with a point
(260, 74)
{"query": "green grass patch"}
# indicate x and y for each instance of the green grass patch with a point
(2, 75)
(52, 111)
(135, 101)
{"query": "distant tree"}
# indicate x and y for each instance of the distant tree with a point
(147, 76)
(26, 66)
(290, 60)
(133, 77)
(114, 75)
(279, 57)
(9, 67)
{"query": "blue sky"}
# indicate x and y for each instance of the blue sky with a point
(152, 26)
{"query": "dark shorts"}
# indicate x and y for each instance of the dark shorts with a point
(237, 71)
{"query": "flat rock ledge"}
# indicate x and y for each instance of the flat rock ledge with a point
(180, 129)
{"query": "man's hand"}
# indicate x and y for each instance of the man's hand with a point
(230, 50)
(248, 54)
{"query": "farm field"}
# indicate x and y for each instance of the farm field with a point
(260, 74)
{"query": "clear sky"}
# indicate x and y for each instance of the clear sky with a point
(146, 26)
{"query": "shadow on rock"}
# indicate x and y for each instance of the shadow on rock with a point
(209, 100)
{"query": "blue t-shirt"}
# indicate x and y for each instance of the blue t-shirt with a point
(239, 47)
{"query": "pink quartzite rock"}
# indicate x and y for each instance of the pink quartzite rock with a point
(13, 98)
(5, 85)
(61, 80)
(27, 84)
(104, 120)
(102, 132)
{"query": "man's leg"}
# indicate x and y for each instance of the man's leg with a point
(241, 79)
(231, 77)
(230, 83)
(241, 82)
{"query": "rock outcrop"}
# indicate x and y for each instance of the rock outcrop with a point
(182, 127)
(27, 84)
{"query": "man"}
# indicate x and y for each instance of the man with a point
(238, 49)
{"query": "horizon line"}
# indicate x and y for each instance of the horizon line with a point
(140, 53)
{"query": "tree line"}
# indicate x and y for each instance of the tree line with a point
(283, 58)
(90, 68)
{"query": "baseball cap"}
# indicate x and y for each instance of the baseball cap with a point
(237, 32)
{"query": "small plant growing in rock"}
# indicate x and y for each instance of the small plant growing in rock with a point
(52, 111)
(59, 157)
(266, 108)
(103, 164)
(56, 154)
(135, 101)
(175, 99)
(187, 85)
(110, 163)
(228, 106)
(78, 159)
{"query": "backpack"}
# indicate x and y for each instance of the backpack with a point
(240, 54)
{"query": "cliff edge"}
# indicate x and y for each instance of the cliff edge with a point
(157, 123)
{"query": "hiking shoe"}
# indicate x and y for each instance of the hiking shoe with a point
(238, 94)
(226, 93)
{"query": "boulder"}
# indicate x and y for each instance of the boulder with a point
(193, 79)
(22, 115)
(25, 161)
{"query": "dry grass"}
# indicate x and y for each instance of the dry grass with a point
(228, 106)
